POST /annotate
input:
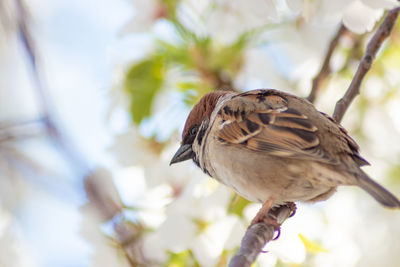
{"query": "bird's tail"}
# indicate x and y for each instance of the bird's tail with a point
(381, 194)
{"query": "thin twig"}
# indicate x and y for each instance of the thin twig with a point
(21, 130)
(257, 236)
(69, 150)
(325, 69)
(373, 46)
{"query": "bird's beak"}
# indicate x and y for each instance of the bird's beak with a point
(185, 152)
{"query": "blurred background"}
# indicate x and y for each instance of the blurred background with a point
(94, 95)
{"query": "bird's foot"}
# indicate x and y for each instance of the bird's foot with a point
(263, 215)
(268, 213)
(292, 207)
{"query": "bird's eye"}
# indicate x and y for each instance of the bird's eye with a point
(193, 130)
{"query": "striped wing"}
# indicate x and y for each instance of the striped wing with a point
(262, 121)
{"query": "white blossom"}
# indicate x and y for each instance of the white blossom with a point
(146, 14)
(357, 15)
(131, 149)
(360, 18)
(13, 252)
(225, 20)
(103, 254)
(197, 220)
(260, 70)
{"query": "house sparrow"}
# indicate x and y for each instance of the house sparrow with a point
(275, 148)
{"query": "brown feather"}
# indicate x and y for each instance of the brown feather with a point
(202, 109)
(270, 126)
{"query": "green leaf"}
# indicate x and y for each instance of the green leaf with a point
(237, 205)
(142, 82)
(176, 54)
(231, 56)
(394, 174)
(182, 259)
(170, 7)
(185, 86)
(280, 263)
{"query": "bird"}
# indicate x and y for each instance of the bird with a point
(274, 148)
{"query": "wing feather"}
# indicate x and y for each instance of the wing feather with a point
(269, 126)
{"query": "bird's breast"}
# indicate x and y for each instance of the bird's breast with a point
(257, 176)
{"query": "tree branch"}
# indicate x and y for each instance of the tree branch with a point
(325, 69)
(21, 130)
(373, 46)
(258, 235)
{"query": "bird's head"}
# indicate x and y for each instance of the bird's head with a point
(196, 125)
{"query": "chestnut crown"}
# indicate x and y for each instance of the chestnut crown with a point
(200, 111)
